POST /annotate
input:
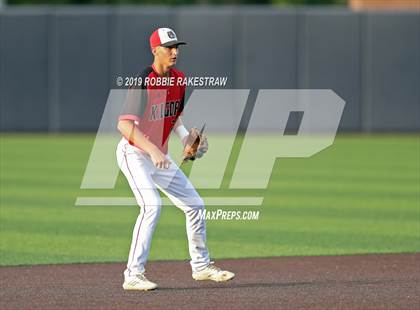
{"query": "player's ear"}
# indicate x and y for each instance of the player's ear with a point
(154, 51)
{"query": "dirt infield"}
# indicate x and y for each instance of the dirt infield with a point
(390, 281)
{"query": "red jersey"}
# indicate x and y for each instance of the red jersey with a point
(155, 107)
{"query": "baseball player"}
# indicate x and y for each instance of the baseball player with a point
(150, 114)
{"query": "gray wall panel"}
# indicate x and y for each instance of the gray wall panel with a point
(209, 34)
(24, 104)
(268, 49)
(132, 49)
(395, 76)
(57, 64)
(331, 59)
(83, 68)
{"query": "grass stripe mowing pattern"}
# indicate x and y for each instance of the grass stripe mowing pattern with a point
(361, 195)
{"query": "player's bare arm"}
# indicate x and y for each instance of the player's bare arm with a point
(181, 131)
(137, 138)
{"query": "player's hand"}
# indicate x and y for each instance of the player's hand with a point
(159, 159)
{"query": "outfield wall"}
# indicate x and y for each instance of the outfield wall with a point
(57, 64)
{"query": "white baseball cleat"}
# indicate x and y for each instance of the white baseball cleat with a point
(138, 283)
(211, 272)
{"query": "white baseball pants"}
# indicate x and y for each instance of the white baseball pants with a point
(145, 180)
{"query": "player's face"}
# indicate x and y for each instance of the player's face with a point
(167, 56)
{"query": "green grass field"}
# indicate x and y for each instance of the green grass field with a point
(361, 195)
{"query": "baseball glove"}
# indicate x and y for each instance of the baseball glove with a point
(195, 145)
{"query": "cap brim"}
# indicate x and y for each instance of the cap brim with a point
(174, 42)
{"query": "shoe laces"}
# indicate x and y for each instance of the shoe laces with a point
(141, 277)
(213, 267)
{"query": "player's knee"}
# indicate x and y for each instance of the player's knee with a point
(153, 202)
(152, 208)
(197, 203)
(200, 203)
(152, 211)
(150, 202)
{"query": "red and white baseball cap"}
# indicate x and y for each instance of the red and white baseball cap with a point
(164, 37)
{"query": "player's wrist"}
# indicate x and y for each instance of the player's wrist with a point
(182, 132)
